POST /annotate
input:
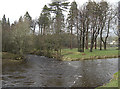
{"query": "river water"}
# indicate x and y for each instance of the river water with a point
(39, 71)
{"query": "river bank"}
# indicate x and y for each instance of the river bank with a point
(10, 58)
(73, 55)
(113, 82)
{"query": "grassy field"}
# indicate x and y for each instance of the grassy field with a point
(113, 83)
(72, 54)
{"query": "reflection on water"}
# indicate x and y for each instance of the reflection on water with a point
(45, 72)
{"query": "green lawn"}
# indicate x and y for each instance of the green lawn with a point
(73, 54)
(113, 83)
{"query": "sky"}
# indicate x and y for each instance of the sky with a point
(13, 9)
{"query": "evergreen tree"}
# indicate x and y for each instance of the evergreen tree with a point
(27, 16)
(4, 22)
(44, 19)
(57, 7)
(28, 19)
(5, 34)
(72, 19)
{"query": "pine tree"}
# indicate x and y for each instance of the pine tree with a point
(57, 7)
(72, 19)
(44, 19)
(5, 34)
(27, 16)
(4, 22)
(28, 19)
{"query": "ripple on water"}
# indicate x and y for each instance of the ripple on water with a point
(17, 77)
(40, 71)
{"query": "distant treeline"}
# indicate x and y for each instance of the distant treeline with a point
(86, 27)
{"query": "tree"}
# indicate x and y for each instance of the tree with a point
(87, 25)
(4, 22)
(72, 20)
(82, 29)
(40, 23)
(44, 20)
(34, 23)
(28, 18)
(57, 7)
(102, 19)
(5, 34)
(108, 16)
(0, 37)
(20, 37)
(115, 21)
(119, 24)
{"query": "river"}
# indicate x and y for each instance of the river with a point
(39, 71)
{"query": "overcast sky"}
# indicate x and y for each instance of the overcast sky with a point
(16, 8)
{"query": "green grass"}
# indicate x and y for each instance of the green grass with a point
(113, 83)
(10, 58)
(0, 54)
(73, 54)
(7, 55)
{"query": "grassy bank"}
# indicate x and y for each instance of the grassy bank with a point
(10, 58)
(113, 82)
(73, 54)
(6, 55)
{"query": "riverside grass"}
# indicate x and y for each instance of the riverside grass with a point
(6, 55)
(74, 55)
(113, 83)
(10, 58)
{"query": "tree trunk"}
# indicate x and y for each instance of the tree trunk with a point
(83, 40)
(34, 30)
(80, 43)
(100, 44)
(101, 39)
(119, 25)
(95, 43)
(104, 45)
(86, 45)
(71, 38)
(92, 43)
(41, 31)
(92, 39)
(44, 32)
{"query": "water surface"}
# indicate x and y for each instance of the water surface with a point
(38, 71)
